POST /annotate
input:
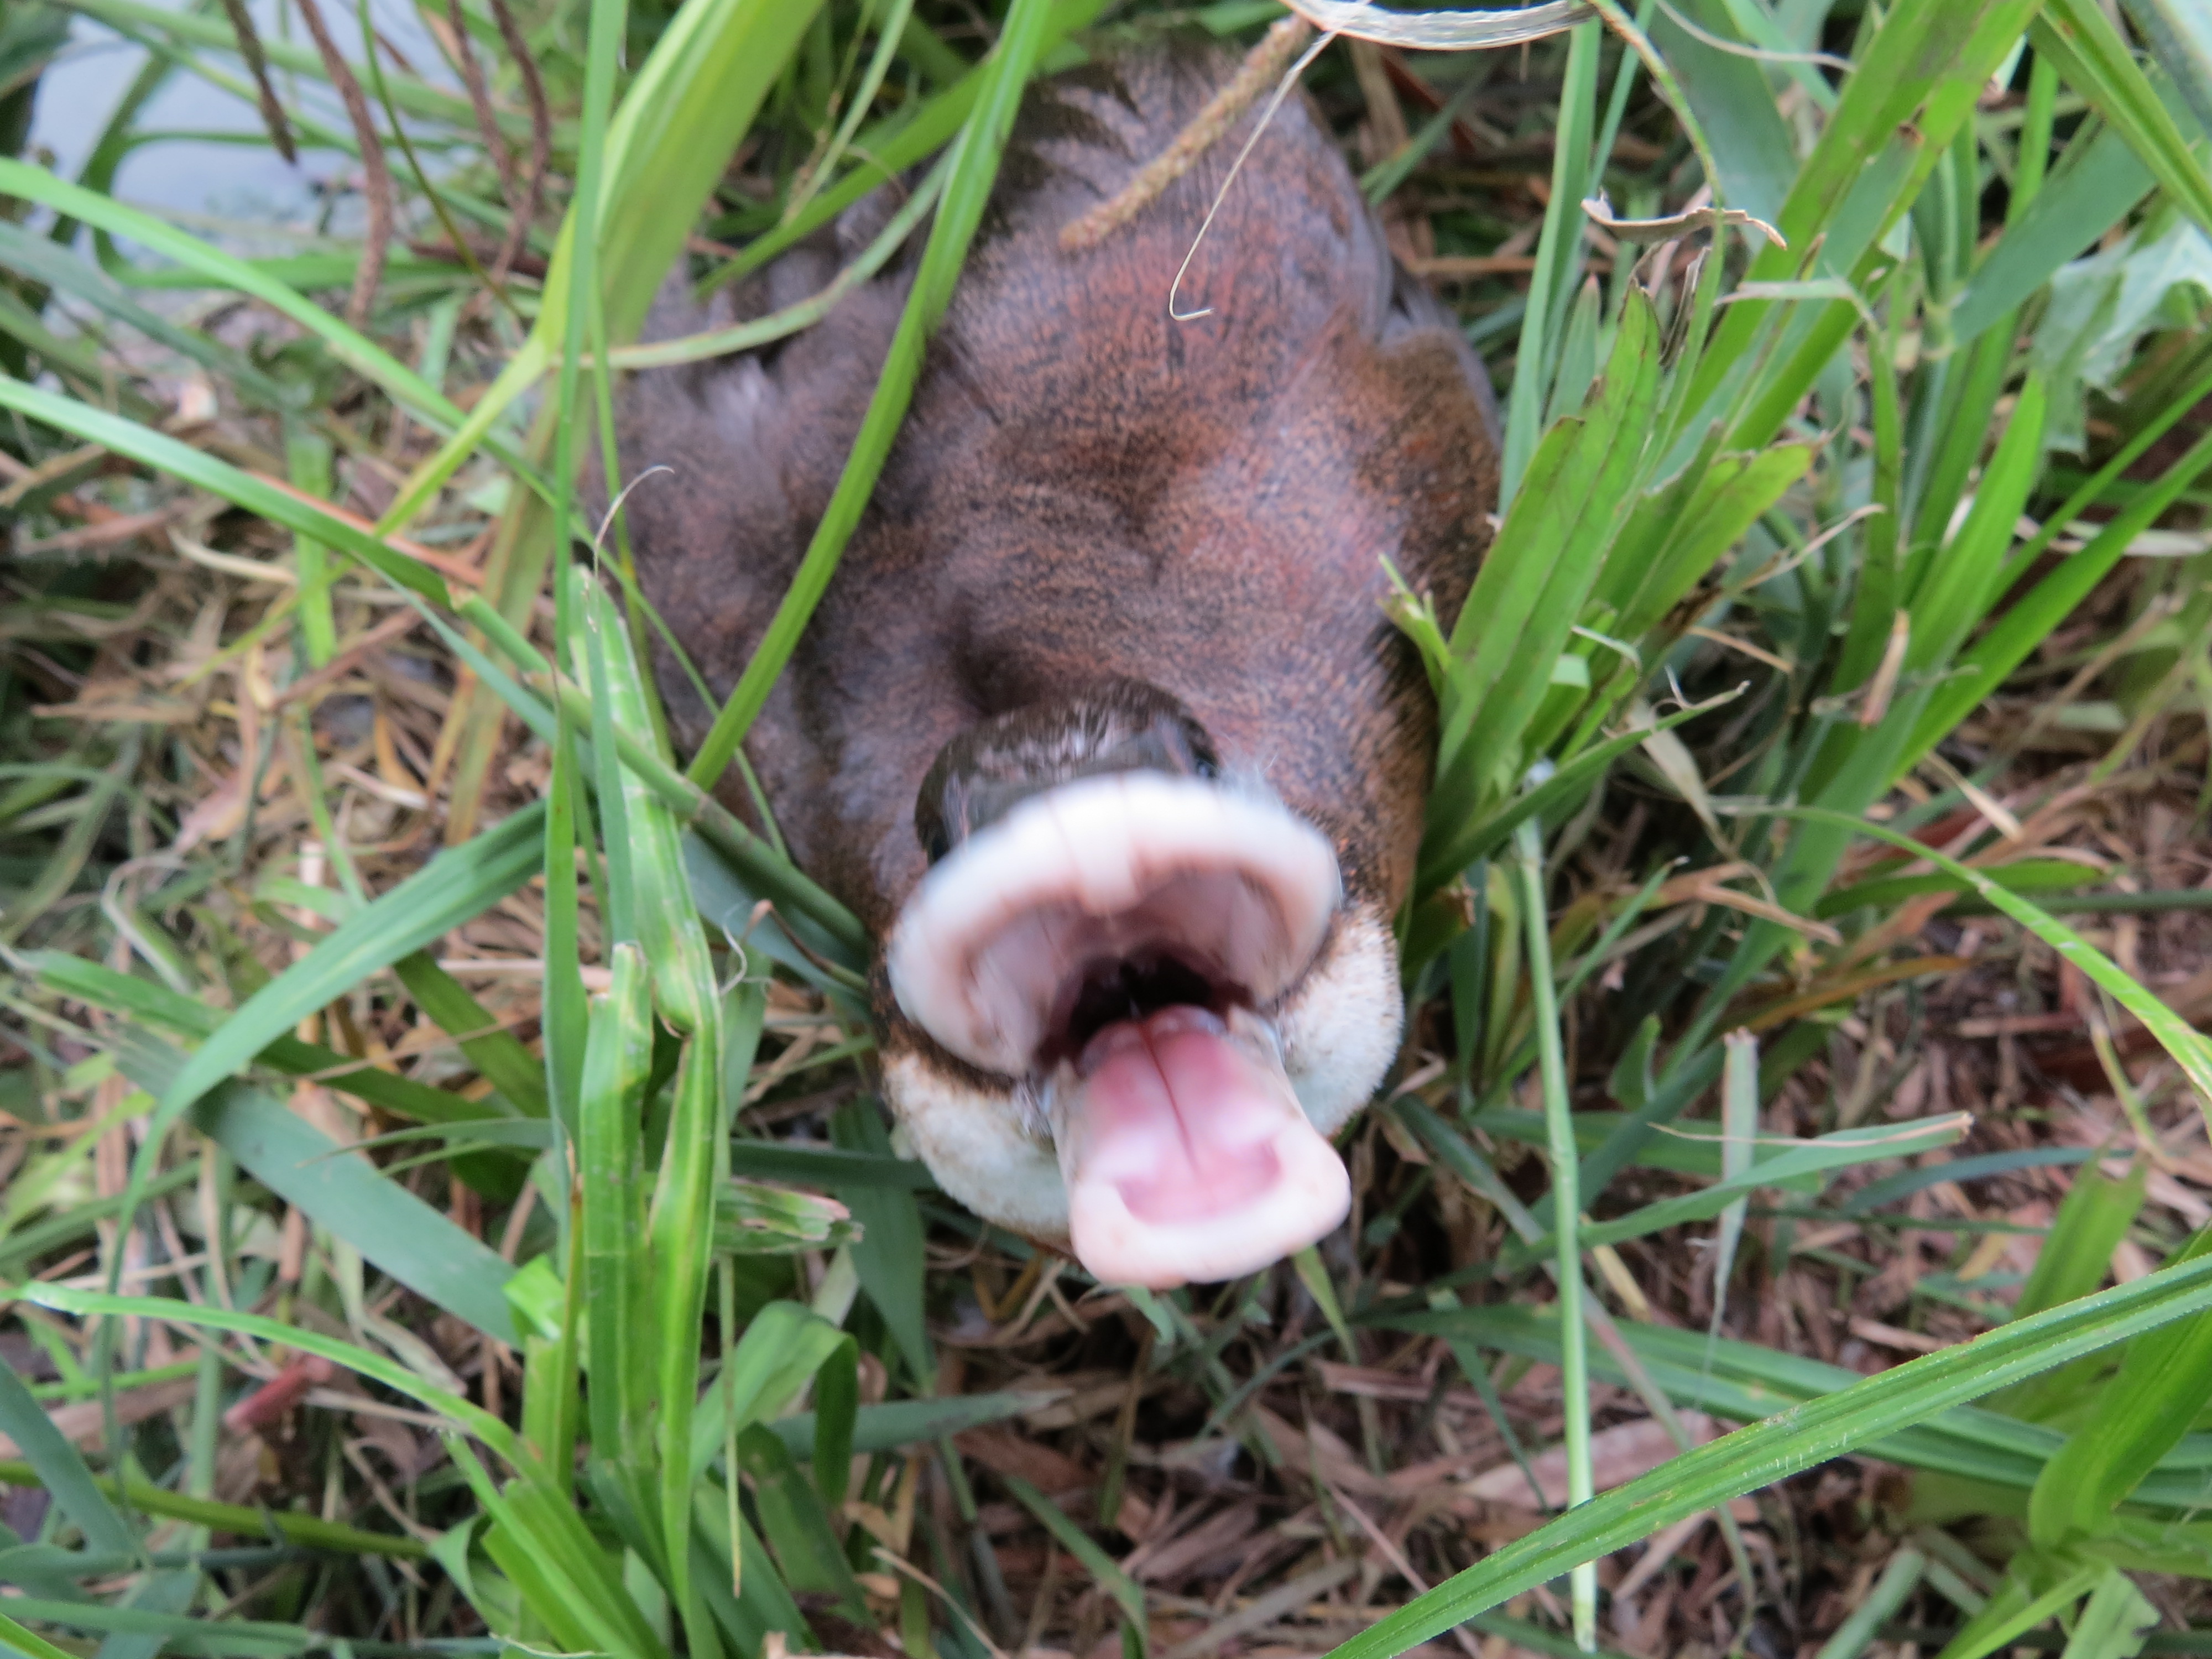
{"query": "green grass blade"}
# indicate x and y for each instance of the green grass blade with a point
(2018, 1608)
(2163, 1385)
(2092, 1220)
(1458, 846)
(835, 1168)
(2189, 1049)
(1727, 498)
(784, 1346)
(1127, 1593)
(189, 1017)
(38, 257)
(1844, 1149)
(1915, 83)
(203, 471)
(539, 1539)
(892, 145)
(1745, 1382)
(1565, 1161)
(2114, 1622)
(498, 1054)
(308, 1531)
(890, 30)
(1983, 667)
(214, 268)
(650, 873)
(61, 1470)
(611, 1163)
(307, 460)
(683, 1233)
(804, 313)
(681, 120)
(455, 887)
(2092, 57)
(1558, 257)
(900, 1423)
(753, 859)
(30, 1645)
(339, 1190)
(1796, 1440)
(889, 1256)
(2022, 875)
(1537, 576)
(2180, 35)
(1856, 1633)
(204, 29)
(203, 1316)
(2098, 183)
(129, 1630)
(1959, 586)
(797, 1525)
(966, 190)
(1728, 90)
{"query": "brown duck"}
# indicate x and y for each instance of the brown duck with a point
(1101, 729)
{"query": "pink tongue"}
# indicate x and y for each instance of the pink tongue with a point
(1182, 1120)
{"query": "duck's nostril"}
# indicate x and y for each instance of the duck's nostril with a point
(994, 767)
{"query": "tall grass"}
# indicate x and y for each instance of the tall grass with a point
(1783, 503)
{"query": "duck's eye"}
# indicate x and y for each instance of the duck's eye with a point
(1197, 746)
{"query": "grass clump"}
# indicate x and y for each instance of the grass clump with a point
(445, 1210)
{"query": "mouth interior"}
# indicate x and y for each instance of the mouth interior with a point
(1132, 988)
(1106, 899)
(1173, 951)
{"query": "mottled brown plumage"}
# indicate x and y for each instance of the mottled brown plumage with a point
(1087, 491)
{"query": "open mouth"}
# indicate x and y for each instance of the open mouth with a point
(1109, 899)
(1110, 941)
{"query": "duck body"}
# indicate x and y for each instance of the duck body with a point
(1100, 727)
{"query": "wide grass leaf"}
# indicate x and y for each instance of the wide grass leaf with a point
(797, 1524)
(376, 1367)
(618, 1267)
(1841, 1150)
(888, 1256)
(189, 1017)
(2096, 185)
(1794, 1441)
(2141, 1414)
(897, 1422)
(62, 1471)
(342, 1191)
(1727, 90)
(2093, 57)
(456, 886)
(784, 1346)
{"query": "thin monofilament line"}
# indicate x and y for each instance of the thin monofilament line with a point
(1442, 31)
(1282, 91)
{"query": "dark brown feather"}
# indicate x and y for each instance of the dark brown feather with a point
(1086, 489)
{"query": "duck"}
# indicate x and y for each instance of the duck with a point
(1102, 728)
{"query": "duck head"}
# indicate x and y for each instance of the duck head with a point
(1101, 728)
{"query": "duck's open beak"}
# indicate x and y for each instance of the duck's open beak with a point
(1116, 941)
(1186, 1154)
